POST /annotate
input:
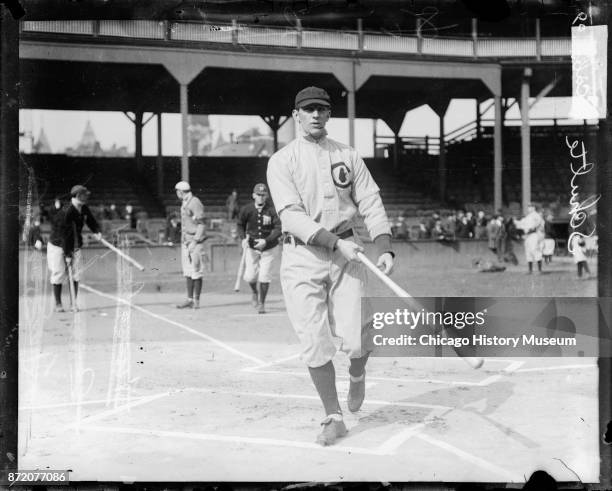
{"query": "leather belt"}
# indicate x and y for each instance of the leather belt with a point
(289, 239)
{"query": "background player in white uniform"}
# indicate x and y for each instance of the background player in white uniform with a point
(192, 243)
(533, 225)
(259, 228)
(318, 185)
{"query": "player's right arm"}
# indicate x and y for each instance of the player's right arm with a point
(290, 207)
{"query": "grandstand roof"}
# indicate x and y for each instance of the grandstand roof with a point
(92, 86)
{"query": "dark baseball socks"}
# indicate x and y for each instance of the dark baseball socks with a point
(189, 287)
(263, 292)
(197, 289)
(530, 263)
(57, 292)
(357, 368)
(324, 379)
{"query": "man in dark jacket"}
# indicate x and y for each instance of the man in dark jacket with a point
(259, 228)
(64, 247)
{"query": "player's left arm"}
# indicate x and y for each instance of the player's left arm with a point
(366, 194)
(91, 222)
(198, 216)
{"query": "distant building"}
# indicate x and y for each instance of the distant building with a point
(89, 146)
(42, 144)
(251, 143)
(200, 134)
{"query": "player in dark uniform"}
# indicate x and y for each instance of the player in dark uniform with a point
(64, 248)
(259, 228)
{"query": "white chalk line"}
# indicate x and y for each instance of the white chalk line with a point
(513, 367)
(70, 404)
(504, 474)
(118, 409)
(385, 379)
(213, 340)
(556, 367)
(261, 316)
(273, 395)
(272, 363)
(232, 439)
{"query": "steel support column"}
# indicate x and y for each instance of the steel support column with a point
(497, 155)
(184, 132)
(525, 142)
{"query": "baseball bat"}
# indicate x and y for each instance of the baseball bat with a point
(71, 287)
(122, 254)
(240, 269)
(474, 362)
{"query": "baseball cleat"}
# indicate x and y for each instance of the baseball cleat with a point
(356, 393)
(255, 300)
(187, 304)
(196, 303)
(59, 308)
(332, 430)
(261, 308)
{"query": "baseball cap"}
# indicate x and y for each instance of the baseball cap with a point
(260, 189)
(312, 95)
(78, 189)
(182, 186)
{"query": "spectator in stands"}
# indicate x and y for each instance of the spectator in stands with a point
(492, 232)
(548, 245)
(173, 230)
(430, 222)
(130, 216)
(232, 205)
(512, 234)
(449, 224)
(461, 225)
(480, 228)
(400, 228)
(111, 212)
(500, 238)
(470, 220)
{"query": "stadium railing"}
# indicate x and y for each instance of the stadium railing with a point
(236, 34)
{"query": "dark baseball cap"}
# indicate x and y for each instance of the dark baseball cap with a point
(79, 189)
(312, 95)
(260, 189)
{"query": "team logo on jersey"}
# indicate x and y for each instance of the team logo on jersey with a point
(341, 175)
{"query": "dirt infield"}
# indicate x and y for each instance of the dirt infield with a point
(132, 389)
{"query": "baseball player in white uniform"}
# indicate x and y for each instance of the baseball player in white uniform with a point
(192, 243)
(318, 185)
(533, 225)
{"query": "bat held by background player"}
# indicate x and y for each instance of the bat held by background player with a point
(240, 271)
(122, 254)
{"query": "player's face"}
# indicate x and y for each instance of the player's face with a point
(313, 118)
(260, 198)
(82, 197)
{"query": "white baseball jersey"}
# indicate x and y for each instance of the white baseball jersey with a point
(533, 225)
(318, 185)
(323, 184)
